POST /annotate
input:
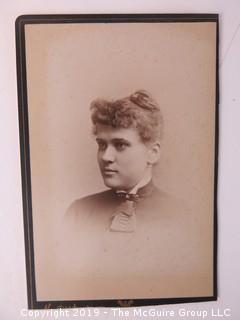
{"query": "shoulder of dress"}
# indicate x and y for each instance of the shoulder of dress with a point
(100, 196)
(162, 195)
(90, 201)
(169, 202)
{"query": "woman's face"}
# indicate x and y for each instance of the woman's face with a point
(122, 157)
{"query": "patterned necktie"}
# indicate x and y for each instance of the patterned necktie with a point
(124, 218)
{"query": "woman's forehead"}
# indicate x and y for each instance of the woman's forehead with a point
(108, 133)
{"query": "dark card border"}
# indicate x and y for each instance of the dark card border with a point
(20, 23)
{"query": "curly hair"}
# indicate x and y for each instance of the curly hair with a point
(139, 111)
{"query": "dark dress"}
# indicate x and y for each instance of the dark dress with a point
(165, 256)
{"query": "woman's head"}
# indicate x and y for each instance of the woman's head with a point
(139, 111)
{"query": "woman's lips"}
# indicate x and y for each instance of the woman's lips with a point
(108, 171)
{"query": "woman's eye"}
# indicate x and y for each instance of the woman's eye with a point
(101, 145)
(120, 146)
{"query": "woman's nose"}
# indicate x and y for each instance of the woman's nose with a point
(108, 154)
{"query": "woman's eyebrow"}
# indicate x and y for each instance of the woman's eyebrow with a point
(122, 140)
(114, 140)
(100, 140)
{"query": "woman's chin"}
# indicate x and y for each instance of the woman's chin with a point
(116, 185)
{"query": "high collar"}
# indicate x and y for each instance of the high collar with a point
(146, 190)
(142, 192)
(142, 183)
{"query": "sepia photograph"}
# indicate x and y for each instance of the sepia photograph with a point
(118, 118)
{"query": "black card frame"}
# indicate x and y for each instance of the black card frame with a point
(21, 59)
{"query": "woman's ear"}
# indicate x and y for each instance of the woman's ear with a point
(154, 152)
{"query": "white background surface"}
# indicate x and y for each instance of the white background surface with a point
(13, 295)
